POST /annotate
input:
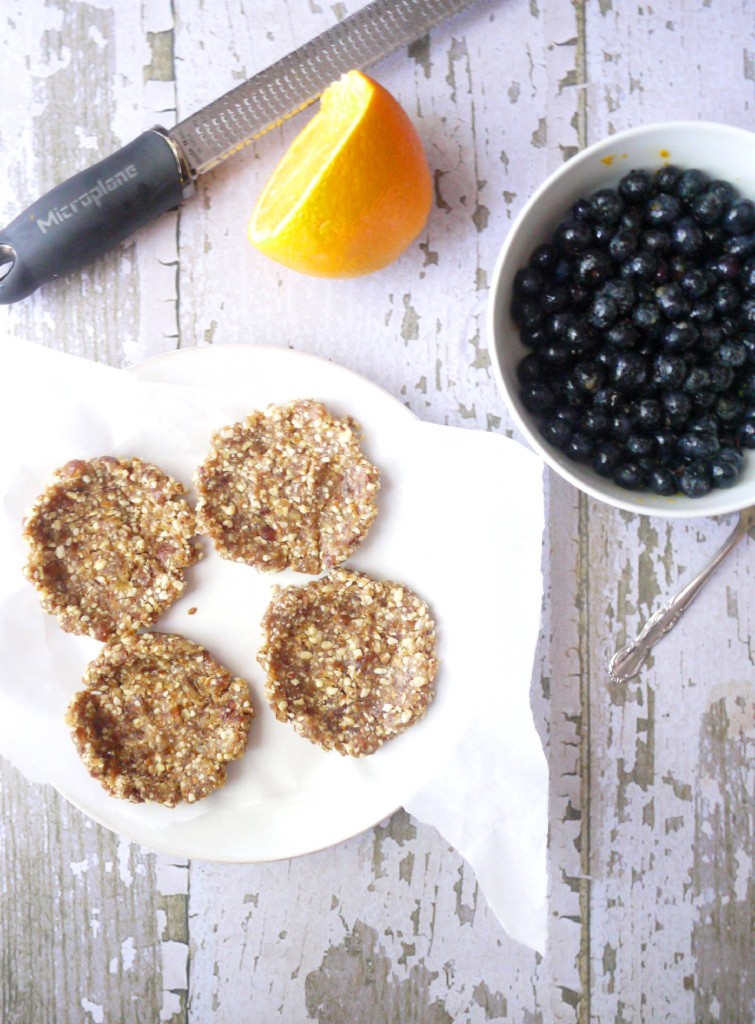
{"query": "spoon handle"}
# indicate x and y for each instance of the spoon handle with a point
(628, 661)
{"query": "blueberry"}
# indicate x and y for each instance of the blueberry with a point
(537, 397)
(643, 265)
(607, 399)
(571, 394)
(622, 292)
(669, 371)
(554, 355)
(662, 480)
(630, 475)
(646, 315)
(581, 209)
(694, 480)
(606, 206)
(568, 414)
(739, 219)
(556, 431)
(529, 282)
(620, 425)
(603, 312)
(686, 236)
(741, 247)
(715, 237)
(573, 237)
(588, 376)
(701, 313)
(636, 186)
(697, 380)
(526, 313)
(558, 323)
(544, 258)
(608, 456)
(553, 299)
(676, 408)
(602, 234)
(533, 337)
(679, 336)
(579, 295)
(595, 423)
(593, 267)
(580, 337)
(671, 301)
(690, 184)
(696, 283)
(732, 353)
(708, 208)
(630, 371)
(666, 178)
(647, 414)
(529, 370)
(580, 447)
(563, 271)
(640, 445)
(662, 209)
(656, 241)
(623, 245)
(723, 473)
(730, 410)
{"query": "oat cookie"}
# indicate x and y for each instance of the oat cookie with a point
(108, 542)
(350, 660)
(158, 719)
(287, 488)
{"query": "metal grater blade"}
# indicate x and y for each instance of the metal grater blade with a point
(292, 83)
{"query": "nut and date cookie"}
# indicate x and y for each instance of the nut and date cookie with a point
(288, 488)
(158, 719)
(350, 660)
(108, 542)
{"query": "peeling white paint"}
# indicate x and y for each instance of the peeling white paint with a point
(95, 1011)
(79, 868)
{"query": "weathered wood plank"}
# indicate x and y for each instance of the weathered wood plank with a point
(656, 953)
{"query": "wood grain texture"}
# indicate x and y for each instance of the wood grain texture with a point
(650, 854)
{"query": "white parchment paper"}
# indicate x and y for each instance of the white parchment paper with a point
(460, 521)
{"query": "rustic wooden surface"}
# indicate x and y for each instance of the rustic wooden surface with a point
(651, 893)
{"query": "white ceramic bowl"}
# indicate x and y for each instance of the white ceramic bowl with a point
(720, 150)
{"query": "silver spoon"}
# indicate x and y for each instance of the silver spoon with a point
(628, 661)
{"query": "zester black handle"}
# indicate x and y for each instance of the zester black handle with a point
(88, 214)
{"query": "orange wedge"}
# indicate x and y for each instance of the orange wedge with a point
(352, 191)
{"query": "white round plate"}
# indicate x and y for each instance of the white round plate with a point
(286, 797)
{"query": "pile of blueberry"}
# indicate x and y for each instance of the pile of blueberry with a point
(639, 316)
